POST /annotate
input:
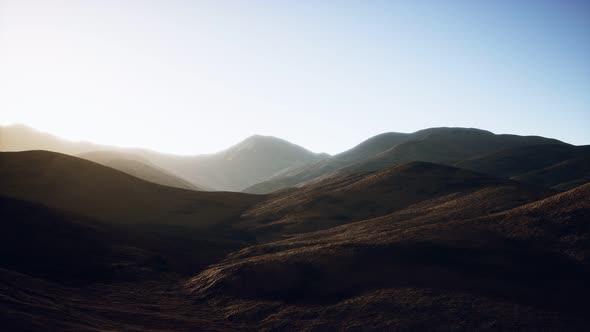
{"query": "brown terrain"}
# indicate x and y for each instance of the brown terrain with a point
(466, 240)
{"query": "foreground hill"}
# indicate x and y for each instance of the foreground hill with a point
(444, 264)
(437, 145)
(138, 167)
(62, 247)
(188, 229)
(417, 246)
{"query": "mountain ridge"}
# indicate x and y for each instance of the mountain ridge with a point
(445, 145)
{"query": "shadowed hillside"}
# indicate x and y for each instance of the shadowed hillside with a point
(191, 228)
(90, 189)
(342, 199)
(561, 176)
(411, 246)
(62, 247)
(517, 161)
(417, 269)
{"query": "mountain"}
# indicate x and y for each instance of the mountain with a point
(138, 167)
(444, 264)
(253, 160)
(437, 145)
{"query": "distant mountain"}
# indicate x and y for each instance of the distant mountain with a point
(437, 145)
(23, 138)
(264, 164)
(254, 160)
(138, 167)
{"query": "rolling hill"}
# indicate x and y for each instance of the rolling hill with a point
(370, 239)
(434, 265)
(437, 145)
(517, 161)
(189, 229)
(343, 199)
(89, 189)
(565, 175)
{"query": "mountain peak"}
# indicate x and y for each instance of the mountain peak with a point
(268, 143)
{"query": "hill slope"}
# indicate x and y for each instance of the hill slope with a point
(565, 175)
(343, 199)
(520, 160)
(434, 265)
(189, 228)
(59, 246)
(89, 189)
(138, 167)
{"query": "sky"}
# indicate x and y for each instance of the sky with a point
(193, 77)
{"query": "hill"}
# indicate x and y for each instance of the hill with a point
(417, 246)
(343, 199)
(516, 161)
(102, 193)
(564, 175)
(444, 264)
(437, 145)
(62, 247)
(189, 228)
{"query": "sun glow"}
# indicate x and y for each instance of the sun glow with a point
(184, 77)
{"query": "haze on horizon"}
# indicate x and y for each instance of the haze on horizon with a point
(196, 77)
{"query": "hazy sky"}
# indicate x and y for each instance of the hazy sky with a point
(198, 76)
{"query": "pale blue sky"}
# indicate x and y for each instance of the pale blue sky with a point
(197, 76)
